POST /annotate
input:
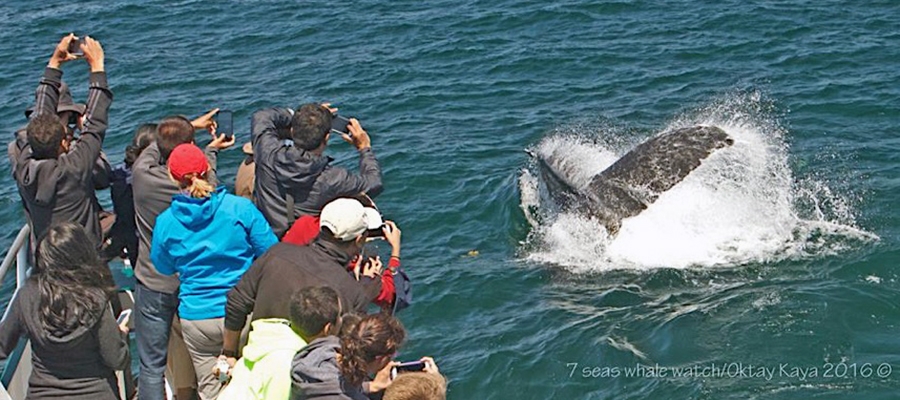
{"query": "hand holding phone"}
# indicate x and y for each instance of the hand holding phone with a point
(222, 370)
(123, 319)
(340, 124)
(225, 123)
(411, 366)
(75, 47)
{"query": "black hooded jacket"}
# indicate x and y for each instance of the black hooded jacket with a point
(62, 189)
(76, 365)
(282, 169)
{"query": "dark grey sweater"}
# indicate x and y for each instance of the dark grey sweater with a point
(62, 189)
(282, 168)
(315, 373)
(78, 365)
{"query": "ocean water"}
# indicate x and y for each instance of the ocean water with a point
(769, 273)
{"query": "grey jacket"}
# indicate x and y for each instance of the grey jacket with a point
(62, 189)
(153, 191)
(315, 373)
(79, 364)
(282, 168)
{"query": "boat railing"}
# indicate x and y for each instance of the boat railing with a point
(18, 252)
(14, 378)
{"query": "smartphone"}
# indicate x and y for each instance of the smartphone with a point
(225, 123)
(75, 48)
(339, 124)
(412, 366)
(378, 232)
(123, 317)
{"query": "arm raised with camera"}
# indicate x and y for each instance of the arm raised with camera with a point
(96, 117)
(46, 96)
(369, 179)
(268, 127)
(208, 122)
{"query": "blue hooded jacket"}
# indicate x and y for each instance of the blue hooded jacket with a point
(210, 243)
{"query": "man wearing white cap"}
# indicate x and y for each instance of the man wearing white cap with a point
(266, 287)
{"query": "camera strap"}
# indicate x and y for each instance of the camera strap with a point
(289, 208)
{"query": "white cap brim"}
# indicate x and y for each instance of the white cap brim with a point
(373, 219)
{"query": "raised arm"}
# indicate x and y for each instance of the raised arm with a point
(268, 127)
(369, 179)
(46, 97)
(85, 151)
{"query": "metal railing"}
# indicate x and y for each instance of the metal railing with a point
(18, 252)
(16, 384)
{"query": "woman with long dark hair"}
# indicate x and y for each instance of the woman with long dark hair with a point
(340, 368)
(63, 308)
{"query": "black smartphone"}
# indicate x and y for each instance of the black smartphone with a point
(225, 123)
(411, 366)
(339, 124)
(378, 232)
(75, 47)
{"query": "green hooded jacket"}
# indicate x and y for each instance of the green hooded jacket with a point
(264, 371)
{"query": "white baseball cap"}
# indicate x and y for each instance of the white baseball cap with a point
(346, 218)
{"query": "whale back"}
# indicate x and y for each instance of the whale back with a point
(633, 182)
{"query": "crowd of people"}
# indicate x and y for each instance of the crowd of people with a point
(267, 293)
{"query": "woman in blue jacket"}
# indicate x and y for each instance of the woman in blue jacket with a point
(210, 238)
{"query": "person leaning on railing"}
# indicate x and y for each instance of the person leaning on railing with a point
(63, 309)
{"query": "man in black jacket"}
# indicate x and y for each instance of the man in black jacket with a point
(266, 287)
(291, 168)
(54, 173)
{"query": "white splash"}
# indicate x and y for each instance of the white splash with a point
(739, 206)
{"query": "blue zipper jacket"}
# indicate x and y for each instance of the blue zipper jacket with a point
(210, 243)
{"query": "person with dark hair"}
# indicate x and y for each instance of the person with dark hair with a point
(264, 371)
(63, 309)
(54, 174)
(71, 114)
(306, 229)
(287, 267)
(156, 298)
(340, 368)
(123, 240)
(209, 237)
(293, 176)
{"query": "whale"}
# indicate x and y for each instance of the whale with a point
(634, 181)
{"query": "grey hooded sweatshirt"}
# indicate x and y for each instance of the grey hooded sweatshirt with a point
(282, 169)
(62, 188)
(315, 373)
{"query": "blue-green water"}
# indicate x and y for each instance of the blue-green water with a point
(780, 254)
